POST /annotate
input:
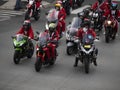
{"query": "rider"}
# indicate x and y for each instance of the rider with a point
(53, 37)
(37, 3)
(96, 5)
(26, 29)
(61, 14)
(113, 14)
(86, 29)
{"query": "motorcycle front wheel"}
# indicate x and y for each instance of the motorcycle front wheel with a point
(16, 57)
(87, 64)
(70, 50)
(38, 64)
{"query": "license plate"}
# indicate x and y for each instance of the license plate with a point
(87, 46)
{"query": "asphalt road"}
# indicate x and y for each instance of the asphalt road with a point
(61, 76)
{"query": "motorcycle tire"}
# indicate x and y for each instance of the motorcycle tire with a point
(30, 51)
(37, 15)
(107, 39)
(70, 50)
(27, 17)
(16, 57)
(38, 64)
(87, 64)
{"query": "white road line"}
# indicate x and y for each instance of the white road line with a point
(4, 18)
(79, 9)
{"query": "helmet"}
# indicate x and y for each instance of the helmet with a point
(86, 23)
(52, 27)
(100, 1)
(86, 11)
(58, 5)
(81, 14)
(114, 6)
(26, 25)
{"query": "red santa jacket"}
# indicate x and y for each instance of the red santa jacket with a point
(29, 33)
(80, 33)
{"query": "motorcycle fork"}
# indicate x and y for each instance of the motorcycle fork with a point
(42, 56)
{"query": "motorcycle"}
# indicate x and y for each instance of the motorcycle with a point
(110, 32)
(96, 20)
(86, 51)
(42, 51)
(52, 18)
(23, 47)
(67, 6)
(32, 11)
(71, 39)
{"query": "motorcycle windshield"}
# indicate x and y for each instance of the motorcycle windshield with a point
(42, 39)
(52, 16)
(19, 37)
(76, 22)
(73, 32)
(87, 39)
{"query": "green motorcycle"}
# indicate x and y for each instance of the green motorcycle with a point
(23, 47)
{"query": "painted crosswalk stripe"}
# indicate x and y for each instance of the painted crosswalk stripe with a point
(7, 14)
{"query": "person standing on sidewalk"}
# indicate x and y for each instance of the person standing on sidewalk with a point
(18, 5)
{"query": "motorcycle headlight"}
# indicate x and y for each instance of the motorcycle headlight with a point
(109, 22)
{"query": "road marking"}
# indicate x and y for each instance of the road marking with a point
(79, 9)
(7, 14)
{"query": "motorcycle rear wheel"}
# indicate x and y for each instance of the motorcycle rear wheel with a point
(27, 17)
(37, 15)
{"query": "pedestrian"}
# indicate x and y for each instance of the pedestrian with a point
(18, 5)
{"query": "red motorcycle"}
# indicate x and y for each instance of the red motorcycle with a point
(43, 52)
(32, 11)
(110, 32)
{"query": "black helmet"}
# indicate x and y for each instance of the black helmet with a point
(100, 1)
(86, 11)
(26, 25)
(114, 6)
(81, 14)
(86, 22)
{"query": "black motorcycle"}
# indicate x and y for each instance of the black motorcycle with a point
(23, 47)
(96, 20)
(86, 51)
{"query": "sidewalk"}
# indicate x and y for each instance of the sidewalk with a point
(11, 4)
